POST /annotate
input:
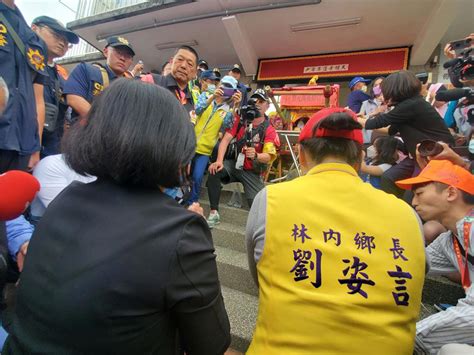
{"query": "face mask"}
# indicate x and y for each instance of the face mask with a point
(364, 88)
(371, 152)
(471, 146)
(211, 88)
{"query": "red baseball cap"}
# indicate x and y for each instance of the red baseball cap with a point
(442, 171)
(307, 131)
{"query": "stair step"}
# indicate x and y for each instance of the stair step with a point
(438, 289)
(234, 270)
(229, 236)
(237, 216)
(242, 309)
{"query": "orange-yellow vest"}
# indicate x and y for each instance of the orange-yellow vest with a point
(342, 268)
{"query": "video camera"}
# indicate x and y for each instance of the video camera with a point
(250, 111)
(461, 68)
(461, 72)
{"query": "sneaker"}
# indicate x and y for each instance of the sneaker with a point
(213, 219)
(235, 200)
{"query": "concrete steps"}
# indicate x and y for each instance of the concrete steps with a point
(240, 292)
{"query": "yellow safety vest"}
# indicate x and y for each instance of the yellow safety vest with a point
(207, 128)
(342, 268)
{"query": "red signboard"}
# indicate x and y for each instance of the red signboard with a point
(375, 62)
(302, 101)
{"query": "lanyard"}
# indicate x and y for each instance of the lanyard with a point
(465, 279)
(181, 96)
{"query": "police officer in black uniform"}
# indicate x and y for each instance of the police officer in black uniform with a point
(89, 80)
(58, 40)
(23, 67)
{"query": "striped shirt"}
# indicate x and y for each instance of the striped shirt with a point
(456, 324)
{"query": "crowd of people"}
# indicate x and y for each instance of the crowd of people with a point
(115, 255)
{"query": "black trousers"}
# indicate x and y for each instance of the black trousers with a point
(252, 183)
(12, 160)
(403, 170)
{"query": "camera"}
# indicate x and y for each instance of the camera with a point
(250, 111)
(461, 68)
(429, 148)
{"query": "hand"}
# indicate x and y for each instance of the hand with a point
(236, 98)
(449, 52)
(34, 159)
(250, 153)
(196, 208)
(214, 168)
(381, 109)
(218, 93)
(362, 121)
(446, 154)
(20, 256)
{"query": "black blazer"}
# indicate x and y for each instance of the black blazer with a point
(117, 270)
(416, 120)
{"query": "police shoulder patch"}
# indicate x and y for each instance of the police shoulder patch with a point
(98, 88)
(3, 33)
(36, 59)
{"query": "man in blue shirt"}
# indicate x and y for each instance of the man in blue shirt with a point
(88, 80)
(23, 67)
(58, 40)
(358, 95)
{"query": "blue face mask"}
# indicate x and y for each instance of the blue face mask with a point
(471, 146)
(211, 88)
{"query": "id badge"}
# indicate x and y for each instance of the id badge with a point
(239, 164)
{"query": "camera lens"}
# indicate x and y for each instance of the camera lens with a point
(429, 148)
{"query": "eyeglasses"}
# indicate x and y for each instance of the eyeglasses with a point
(59, 37)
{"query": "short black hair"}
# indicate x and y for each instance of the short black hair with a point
(130, 136)
(345, 149)
(189, 49)
(400, 86)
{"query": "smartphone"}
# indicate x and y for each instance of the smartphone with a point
(459, 45)
(228, 92)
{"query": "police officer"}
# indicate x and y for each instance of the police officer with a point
(89, 80)
(58, 40)
(23, 67)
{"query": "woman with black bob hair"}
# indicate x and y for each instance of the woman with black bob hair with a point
(326, 220)
(412, 117)
(116, 266)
